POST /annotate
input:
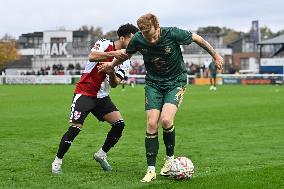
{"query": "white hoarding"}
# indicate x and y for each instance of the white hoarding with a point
(272, 61)
(53, 80)
(20, 79)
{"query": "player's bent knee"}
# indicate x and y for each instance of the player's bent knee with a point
(152, 125)
(166, 122)
(152, 128)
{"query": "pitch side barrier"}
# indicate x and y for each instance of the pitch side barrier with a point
(231, 79)
(252, 79)
(33, 79)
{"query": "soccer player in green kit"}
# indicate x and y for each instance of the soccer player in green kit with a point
(213, 73)
(166, 81)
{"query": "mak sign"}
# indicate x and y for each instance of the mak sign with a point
(54, 49)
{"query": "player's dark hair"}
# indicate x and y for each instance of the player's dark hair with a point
(126, 29)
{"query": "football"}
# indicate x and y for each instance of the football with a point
(182, 168)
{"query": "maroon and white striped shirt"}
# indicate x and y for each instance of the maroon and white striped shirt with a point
(94, 83)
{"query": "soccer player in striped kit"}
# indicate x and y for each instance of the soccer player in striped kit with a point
(91, 95)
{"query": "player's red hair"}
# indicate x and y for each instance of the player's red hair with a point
(146, 21)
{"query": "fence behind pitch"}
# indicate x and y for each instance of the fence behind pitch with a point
(232, 79)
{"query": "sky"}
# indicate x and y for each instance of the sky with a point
(26, 16)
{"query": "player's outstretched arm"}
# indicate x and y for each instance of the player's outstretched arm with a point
(96, 56)
(108, 66)
(205, 45)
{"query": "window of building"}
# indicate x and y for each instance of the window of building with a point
(249, 47)
(58, 40)
(244, 64)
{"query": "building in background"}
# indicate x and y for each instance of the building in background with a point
(245, 56)
(65, 52)
(51, 51)
(271, 54)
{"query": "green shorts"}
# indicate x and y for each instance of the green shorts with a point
(213, 75)
(157, 95)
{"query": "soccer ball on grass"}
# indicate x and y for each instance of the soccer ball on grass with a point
(182, 168)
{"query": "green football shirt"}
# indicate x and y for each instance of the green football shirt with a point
(212, 67)
(163, 60)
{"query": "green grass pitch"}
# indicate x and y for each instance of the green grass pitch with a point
(234, 136)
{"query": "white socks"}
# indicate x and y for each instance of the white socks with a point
(101, 153)
(170, 158)
(151, 168)
(57, 160)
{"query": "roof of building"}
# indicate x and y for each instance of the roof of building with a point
(24, 62)
(276, 40)
(34, 34)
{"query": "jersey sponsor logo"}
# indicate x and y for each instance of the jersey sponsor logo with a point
(158, 62)
(168, 50)
(144, 50)
(97, 46)
(77, 115)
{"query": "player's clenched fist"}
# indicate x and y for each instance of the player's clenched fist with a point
(120, 54)
(105, 67)
(218, 61)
